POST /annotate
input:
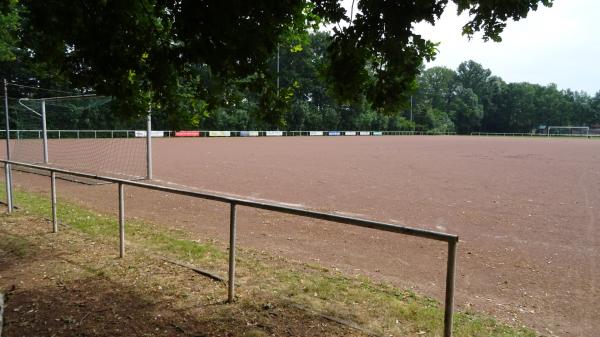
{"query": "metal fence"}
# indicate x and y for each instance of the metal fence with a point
(451, 240)
(530, 134)
(100, 134)
(331, 133)
(75, 134)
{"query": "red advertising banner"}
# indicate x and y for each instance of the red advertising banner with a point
(187, 134)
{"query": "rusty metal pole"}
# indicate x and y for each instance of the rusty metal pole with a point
(8, 186)
(232, 234)
(121, 221)
(53, 198)
(449, 303)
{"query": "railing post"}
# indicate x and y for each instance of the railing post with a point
(8, 186)
(121, 221)
(7, 172)
(449, 303)
(149, 147)
(53, 198)
(232, 234)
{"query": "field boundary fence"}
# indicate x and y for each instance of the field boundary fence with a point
(87, 134)
(277, 133)
(538, 135)
(234, 203)
(81, 134)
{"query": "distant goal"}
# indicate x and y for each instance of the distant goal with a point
(568, 131)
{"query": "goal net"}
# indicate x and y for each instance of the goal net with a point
(82, 134)
(577, 131)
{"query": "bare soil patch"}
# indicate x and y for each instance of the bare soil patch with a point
(526, 211)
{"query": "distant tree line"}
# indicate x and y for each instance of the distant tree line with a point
(472, 99)
(464, 100)
(308, 103)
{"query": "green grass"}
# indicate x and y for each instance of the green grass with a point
(377, 306)
(16, 246)
(106, 227)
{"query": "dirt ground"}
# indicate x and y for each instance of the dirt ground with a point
(525, 210)
(55, 285)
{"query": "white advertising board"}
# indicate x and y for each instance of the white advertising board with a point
(152, 133)
(219, 133)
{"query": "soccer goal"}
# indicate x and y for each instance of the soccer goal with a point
(55, 131)
(569, 131)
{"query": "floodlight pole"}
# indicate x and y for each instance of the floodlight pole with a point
(149, 145)
(278, 70)
(7, 172)
(44, 132)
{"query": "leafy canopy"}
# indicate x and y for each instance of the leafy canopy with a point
(149, 51)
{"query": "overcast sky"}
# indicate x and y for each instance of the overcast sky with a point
(558, 45)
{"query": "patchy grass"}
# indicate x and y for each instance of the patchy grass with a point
(376, 306)
(15, 245)
(106, 227)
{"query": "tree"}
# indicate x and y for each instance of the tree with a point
(595, 104)
(140, 51)
(436, 88)
(437, 84)
(9, 21)
(465, 111)
(474, 76)
(381, 38)
(494, 119)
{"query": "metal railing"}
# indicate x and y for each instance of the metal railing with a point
(450, 239)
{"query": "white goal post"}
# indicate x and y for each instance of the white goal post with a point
(585, 130)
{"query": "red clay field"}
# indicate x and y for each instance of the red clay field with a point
(526, 211)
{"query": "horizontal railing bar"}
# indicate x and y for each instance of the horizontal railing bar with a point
(353, 221)
(439, 236)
